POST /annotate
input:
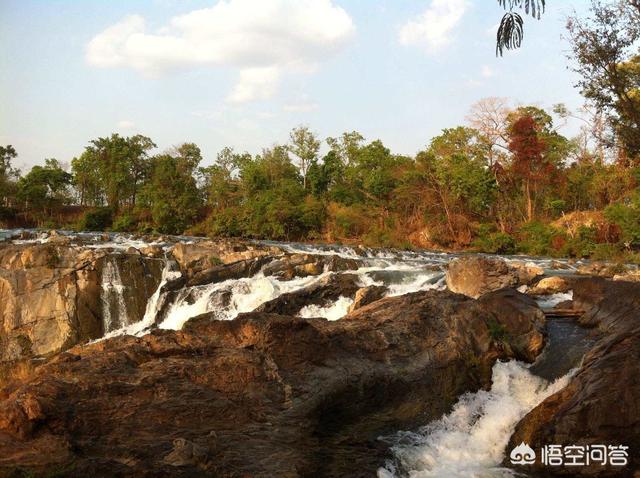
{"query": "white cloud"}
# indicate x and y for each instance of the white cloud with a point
(433, 28)
(261, 38)
(255, 84)
(126, 124)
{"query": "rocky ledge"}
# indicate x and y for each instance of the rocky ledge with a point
(601, 404)
(262, 395)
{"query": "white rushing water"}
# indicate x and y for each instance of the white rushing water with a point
(112, 296)
(169, 272)
(550, 301)
(335, 311)
(229, 298)
(470, 441)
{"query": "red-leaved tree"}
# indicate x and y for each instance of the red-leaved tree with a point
(529, 165)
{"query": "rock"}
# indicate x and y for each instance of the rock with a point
(629, 276)
(527, 271)
(326, 291)
(186, 453)
(155, 252)
(367, 295)
(550, 285)
(601, 404)
(196, 257)
(476, 275)
(304, 265)
(261, 395)
(132, 250)
(518, 313)
(50, 296)
(601, 269)
(233, 270)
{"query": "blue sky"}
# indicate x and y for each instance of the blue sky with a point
(244, 72)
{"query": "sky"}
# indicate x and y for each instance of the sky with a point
(243, 73)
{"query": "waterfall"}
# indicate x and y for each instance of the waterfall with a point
(471, 440)
(170, 272)
(114, 309)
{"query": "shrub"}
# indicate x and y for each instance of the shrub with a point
(494, 242)
(536, 238)
(125, 222)
(97, 220)
(627, 217)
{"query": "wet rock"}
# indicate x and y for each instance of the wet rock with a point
(153, 251)
(601, 404)
(304, 265)
(234, 270)
(326, 291)
(367, 295)
(196, 257)
(286, 396)
(477, 275)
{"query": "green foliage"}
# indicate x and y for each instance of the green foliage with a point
(99, 219)
(535, 238)
(171, 192)
(627, 217)
(497, 331)
(125, 222)
(494, 242)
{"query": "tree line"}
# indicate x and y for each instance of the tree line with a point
(506, 181)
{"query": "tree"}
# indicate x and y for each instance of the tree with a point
(305, 146)
(171, 193)
(511, 30)
(346, 146)
(44, 188)
(8, 174)
(604, 48)
(112, 170)
(528, 159)
(458, 184)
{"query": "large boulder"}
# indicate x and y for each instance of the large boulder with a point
(477, 275)
(194, 257)
(601, 404)
(52, 296)
(261, 395)
(519, 314)
(304, 265)
(550, 285)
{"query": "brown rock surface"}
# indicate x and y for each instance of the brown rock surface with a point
(196, 257)
(367, 295)
(262, 395)
(50, 295)
(477, 275)
(601, 404)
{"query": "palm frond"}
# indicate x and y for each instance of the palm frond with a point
(510, 33)
(533, 7)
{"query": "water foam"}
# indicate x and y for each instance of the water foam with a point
(229, 298)
(112, 296)
(335, 311)
(471, 440)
